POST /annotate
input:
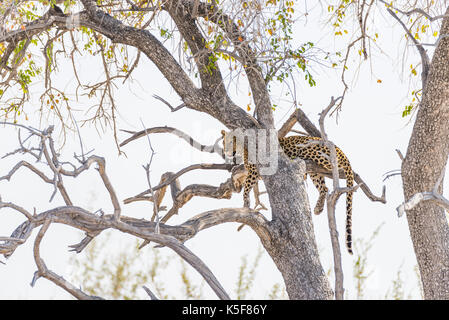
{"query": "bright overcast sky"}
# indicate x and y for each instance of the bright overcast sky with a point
(369, 129)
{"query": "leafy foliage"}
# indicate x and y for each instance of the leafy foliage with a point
(265, 27)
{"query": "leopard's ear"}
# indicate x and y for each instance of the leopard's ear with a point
(223, 133)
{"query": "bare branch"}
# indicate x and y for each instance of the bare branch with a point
(173, 109)
(224, 191)
(147, 170)
(29, 166)
(93, 224)
(195, 144)
(17, 208)
(11, 239)
(415, 10)
(84, 220)
(43, 271)
(173, 177)
(180, 249)
(433, 196)
(298, 116)
(331, 202)
(150, 293)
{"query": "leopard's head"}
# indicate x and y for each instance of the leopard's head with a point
(229, 144)
(233, 144)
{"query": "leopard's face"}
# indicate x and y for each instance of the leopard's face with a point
(231, 147)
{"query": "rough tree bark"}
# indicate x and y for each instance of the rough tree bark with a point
(293, 246)
(426, 158)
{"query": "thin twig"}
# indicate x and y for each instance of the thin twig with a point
(422, 52)
(147, 170)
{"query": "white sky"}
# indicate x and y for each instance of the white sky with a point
(369, 129)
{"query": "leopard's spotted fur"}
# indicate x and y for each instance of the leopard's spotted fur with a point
(307, 148)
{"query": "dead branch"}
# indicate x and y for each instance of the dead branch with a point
(182, 251)
(195, 144)
(170, 236)
(93, 224)
(43, 271)
(223, 191)
(298, 116)
(17, 208)
(161, 195)
(331, 200)
(52, 161)
(165, 182)
(173, 109)
(150, 293)
(181, 197)
(29, 166)
(433, 196)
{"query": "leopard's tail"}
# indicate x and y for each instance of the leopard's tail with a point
(349, 183)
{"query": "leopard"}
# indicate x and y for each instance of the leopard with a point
(307, 148)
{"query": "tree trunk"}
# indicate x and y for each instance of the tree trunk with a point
(292, 244)
(426, 158)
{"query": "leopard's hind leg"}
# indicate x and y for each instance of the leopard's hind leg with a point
(320, 184)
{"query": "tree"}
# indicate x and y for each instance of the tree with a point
(424, 165)
(218, 42)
